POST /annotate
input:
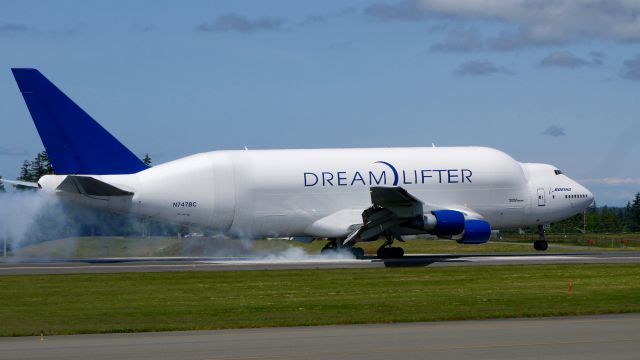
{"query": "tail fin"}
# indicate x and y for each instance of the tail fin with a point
(75, 143)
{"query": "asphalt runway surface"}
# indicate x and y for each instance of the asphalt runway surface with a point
(114, 265)
(587, 337)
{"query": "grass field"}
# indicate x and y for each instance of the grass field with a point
(620, 241)
(128, 302)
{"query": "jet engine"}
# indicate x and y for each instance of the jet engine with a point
(476, 231)
(443, 223)
(449, 223)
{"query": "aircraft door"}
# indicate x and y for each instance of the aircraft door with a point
(541, 200)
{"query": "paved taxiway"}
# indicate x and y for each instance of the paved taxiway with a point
(113, 265)
(589, 337)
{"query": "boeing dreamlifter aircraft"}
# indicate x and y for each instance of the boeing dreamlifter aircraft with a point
(343, 195)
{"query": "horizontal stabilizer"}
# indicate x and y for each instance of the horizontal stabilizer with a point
(86, 185)
(21, 183)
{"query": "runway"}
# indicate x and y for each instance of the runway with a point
(117, 265)
(589, 337)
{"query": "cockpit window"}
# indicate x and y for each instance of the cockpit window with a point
(558, 172)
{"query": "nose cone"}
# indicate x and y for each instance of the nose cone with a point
(590, 197)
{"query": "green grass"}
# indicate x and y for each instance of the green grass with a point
(128, 302)
(622, 241)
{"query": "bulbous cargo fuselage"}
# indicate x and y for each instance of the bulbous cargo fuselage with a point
(288, 192)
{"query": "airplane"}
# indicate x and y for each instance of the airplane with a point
(346, 196)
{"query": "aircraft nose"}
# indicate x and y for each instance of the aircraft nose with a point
(590, 197)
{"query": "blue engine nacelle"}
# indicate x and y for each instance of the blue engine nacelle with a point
(448, 222)
(475, 232)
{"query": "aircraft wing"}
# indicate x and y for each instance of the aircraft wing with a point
(395, 212)
(390, 208)
(21, 183)
(396, 200)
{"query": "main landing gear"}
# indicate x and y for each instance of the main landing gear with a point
(334, 246)
(390, 252)
(541, 244)
(386, 251)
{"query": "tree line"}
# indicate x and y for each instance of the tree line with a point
(603, 219)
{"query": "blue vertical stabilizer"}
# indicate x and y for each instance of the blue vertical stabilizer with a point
(75, 143)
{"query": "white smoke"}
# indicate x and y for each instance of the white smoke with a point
(243, 248)
(19, 215)
(35, 218)
(294, 253)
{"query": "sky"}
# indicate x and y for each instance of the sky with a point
(551, 81)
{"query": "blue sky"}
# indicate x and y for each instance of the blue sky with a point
(552, 81)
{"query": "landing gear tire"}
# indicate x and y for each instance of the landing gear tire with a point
(540, 245)
(390, 252)
(357, 252)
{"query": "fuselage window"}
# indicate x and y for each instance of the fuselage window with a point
(558, 172)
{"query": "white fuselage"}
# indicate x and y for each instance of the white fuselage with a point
(258, 193)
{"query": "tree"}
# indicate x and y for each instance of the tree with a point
(25, 173)
(634, 213)
(32, 171)
(147, 160)
(40, 166)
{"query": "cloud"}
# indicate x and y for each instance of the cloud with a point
(321, 18)
(514, 40)
(12, 152)
(597, 57)
(612, 181)
(460, 40)
(480, 67)
(554, 131)
(631, 69)
(240, 23)
(526, 23)
(566, 59)
(403, 11)
(13, 28)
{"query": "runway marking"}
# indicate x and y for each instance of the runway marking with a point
(528, 258)
(287, 262)
(394, 350)
(372, 328)
(108, 266)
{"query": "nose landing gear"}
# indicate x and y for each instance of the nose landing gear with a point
(541, 244)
